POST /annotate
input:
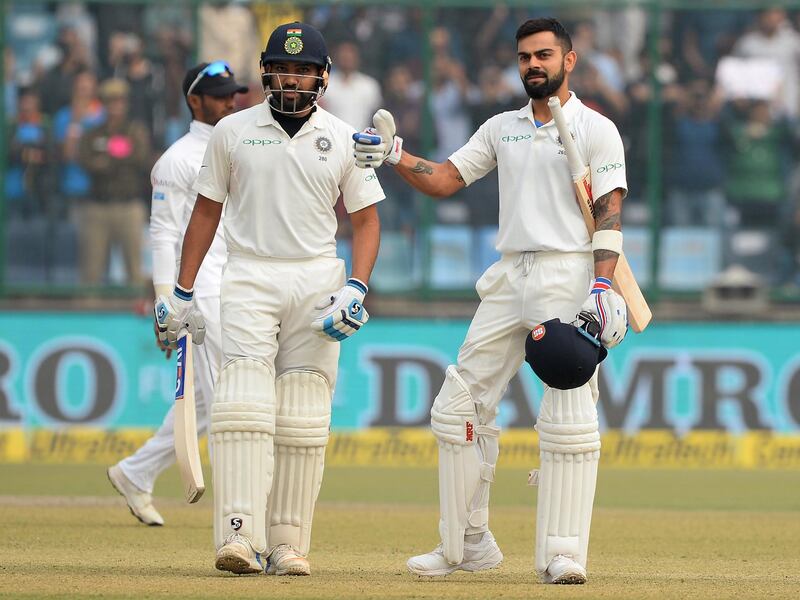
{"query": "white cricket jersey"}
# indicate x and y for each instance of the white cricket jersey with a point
(281, 191)
(538, 210)
(171, 207)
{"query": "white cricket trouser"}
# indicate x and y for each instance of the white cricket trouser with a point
(518, 292)
(267, 308)
(158, 453)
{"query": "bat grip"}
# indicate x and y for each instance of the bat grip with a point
(576, 166)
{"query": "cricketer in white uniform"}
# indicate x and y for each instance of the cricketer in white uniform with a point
(286, 300)
(549, 266)
(209, 89)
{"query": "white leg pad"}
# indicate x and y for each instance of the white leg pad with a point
(468, 453)
(301, 434)
(242, 431)
(569, 447)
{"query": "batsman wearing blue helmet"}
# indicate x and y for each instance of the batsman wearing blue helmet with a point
(286, 300)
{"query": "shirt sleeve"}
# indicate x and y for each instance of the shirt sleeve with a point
(606, 158)
(478, 156)
(166, 215)
(213, 180)
(360, 187)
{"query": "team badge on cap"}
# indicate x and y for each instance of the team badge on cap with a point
(323, 144)
(293, 45)
(538, 332)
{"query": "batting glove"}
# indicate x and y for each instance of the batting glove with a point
(176, 313)
(378, 144)
(342, 314)
(609, 309)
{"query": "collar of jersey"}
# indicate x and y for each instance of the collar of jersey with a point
(200, 129)
(265, 117)
(569, 109)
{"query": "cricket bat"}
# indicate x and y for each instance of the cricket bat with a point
(186, 448)
(624, 282)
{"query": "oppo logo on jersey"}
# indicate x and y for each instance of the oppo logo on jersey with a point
(610, 167)
(515, 138)
(260, 142)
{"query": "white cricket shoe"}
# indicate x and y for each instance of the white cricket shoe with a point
(484, 554)
(140, 503)
(237, 556)
(286, 560)
(562, 569)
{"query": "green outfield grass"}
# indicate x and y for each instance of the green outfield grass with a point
(656, 534)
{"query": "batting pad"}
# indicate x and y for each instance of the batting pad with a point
(301, 434)
(467, 456)
(242, 431)
(569, 447)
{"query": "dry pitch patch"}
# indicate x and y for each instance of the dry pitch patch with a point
(95, 549)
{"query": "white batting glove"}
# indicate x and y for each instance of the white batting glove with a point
(378, 144)
(342, 314)
(609, 309)
(176, 313)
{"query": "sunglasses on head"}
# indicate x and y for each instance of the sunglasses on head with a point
(218, 67)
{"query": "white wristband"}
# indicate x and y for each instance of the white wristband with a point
(607, 239)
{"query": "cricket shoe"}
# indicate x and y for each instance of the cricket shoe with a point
(479, 556)
(286, 560)
(237, 556)
(140, 503)
(562, 569)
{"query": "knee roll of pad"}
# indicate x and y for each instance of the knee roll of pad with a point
(242, 431)
(301, 434)
(468, 453)
(569, 448)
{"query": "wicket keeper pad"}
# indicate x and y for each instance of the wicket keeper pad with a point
(301, 434)
(569, 449)
(242, 431)
(468, 453)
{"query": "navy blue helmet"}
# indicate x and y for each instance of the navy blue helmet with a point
(565, 355)
(295, 43)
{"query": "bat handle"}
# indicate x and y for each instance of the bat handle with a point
(576, 166)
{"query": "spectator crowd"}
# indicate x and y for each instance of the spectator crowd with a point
(92, 96)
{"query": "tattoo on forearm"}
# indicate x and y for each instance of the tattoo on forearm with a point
(422, 168)
(607, 209)
(460, 179)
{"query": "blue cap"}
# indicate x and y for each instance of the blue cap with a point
(296, 42)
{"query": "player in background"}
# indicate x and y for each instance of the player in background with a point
(286, 300)
(549, 266)
(209, 89)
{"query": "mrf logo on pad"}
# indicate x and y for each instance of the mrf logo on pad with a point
(470, 431)
(538, 332)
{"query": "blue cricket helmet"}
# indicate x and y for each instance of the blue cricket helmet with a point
(296, 42)
(564, 355)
